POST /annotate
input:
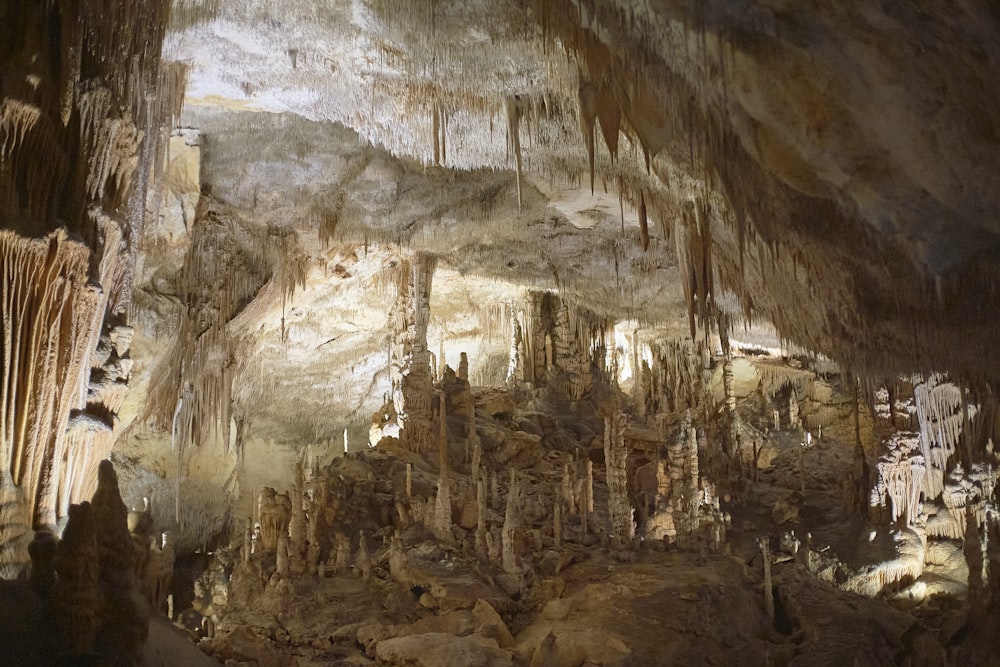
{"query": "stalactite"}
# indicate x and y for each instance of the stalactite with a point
(514, 110)
(15, 531)
(900, 477)
(908, 565)
(940, 415)
(694, 250)
(588, 102)
(193, 385)
(45, 358)
(643, 222)
(274, 512)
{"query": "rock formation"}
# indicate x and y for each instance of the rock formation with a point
(615, 457)
(715, 277)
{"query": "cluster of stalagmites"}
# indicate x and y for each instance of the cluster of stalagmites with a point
(508, 498)
(99, 582)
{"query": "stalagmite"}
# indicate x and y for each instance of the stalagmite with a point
(362, 561)
(341, 553)
(793, 410)
(463, 368)
(734, 437)
(442, 504)
(315, 518)
(802, 467)
(475, 466)
(515, 367)
(482, 530)
(297, 524)
(411, 369)
(567, 490)
(682, 465)
(511, 526)
(163, 565)
(557, 504)
(124, 624)
(974, 548)
(76, 597)
(282, 560)
(765, 553)
(247, 544)
(615, 459)
(43, 570)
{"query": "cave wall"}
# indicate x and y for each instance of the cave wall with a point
(83, 95)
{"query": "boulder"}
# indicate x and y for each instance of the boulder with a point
(437, 649)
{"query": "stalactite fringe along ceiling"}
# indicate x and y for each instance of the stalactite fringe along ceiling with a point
(683, 132)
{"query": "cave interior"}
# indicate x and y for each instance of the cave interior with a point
(499, 332)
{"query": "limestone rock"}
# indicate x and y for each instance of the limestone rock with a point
(441, 650)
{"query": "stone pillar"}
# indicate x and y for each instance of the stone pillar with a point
(615, 459)
(411, 359)
(683, 469)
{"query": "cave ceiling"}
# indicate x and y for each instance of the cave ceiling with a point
(823, 177)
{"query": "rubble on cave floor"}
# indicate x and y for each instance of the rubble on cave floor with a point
(529, 567)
